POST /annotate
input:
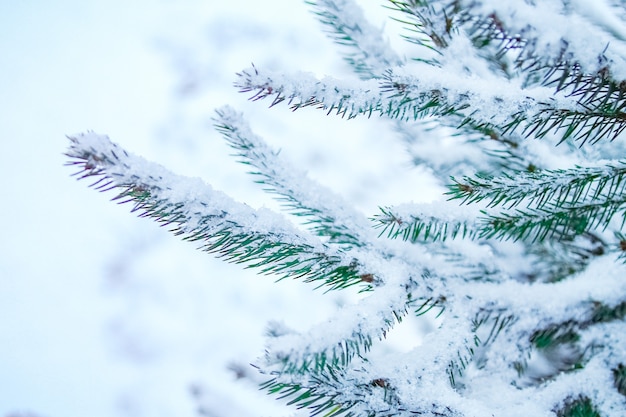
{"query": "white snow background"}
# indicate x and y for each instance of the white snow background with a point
(104, 314)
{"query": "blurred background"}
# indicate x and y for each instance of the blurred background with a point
(101, 313)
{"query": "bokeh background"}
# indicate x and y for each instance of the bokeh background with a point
(101, 313)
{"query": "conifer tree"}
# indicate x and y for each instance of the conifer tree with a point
(522, 257)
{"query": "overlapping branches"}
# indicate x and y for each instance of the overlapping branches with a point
(543, 85)
(495, 32)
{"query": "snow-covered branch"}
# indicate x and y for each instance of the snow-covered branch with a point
(484, 102)
(234, 231)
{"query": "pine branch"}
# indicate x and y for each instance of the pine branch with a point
(600, 96)
(543, 188)
(325, 211)
(533, 224)
(482, 102)
(328, 215)
(345, 99)
(347, 26)
(233, 231)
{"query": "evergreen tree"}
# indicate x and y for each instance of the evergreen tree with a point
(522, 258)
